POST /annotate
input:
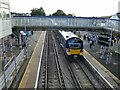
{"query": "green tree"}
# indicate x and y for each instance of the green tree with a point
(59, 13)
(38, 12)
(70, 14)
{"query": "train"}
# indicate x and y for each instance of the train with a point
(71, 44)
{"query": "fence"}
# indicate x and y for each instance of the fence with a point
(9, 69)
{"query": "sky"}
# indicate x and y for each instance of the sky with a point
(85, 8)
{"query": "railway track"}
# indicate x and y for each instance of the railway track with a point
(51, 71)
(78, 76)
(58, 72)
(83, 76)
(90, 76)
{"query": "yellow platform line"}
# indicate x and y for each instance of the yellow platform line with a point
(21, 83)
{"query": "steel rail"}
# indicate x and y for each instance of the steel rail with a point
(46, 60)
(107, 82)
(62, 83)
(85, 73)
(73, 76)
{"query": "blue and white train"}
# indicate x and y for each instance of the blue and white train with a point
(71, 43)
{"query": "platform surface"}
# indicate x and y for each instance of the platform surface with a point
(108, 70)
(29, 77)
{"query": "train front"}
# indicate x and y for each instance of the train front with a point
(74, 47)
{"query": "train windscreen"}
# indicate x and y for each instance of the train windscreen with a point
(75, 43)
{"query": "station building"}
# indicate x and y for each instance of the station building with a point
(5, 26)
(5, 19)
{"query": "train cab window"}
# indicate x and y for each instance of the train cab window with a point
(74, 45)
(74, 40)
(78, 40)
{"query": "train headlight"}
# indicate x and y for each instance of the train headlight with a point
(68, 51)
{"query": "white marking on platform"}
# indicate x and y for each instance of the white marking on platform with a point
(38, 71)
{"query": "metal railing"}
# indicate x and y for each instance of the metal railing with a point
(64, 21)
(9, 68)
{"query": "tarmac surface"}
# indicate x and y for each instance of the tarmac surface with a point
(113, 64)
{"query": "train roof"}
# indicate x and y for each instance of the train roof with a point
(67, 35)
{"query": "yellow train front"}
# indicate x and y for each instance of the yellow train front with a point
(71, 43)
(74, 47)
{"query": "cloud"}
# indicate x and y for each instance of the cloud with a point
(78, 7)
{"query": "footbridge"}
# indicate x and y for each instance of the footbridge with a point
(64, 22)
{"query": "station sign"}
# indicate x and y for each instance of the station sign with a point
(105, 40)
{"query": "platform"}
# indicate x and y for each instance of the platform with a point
(29, 77)
(108, 70)
(101, 70)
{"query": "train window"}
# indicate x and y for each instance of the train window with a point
(71, 41)
(77, 40)
(74, 45)
(74, 40)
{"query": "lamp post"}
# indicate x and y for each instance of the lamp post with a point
(25, 36)
(102, 52)
(109, 55)
(11, 49)
(4, 52)
(20, 42)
